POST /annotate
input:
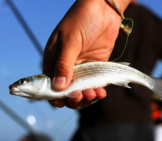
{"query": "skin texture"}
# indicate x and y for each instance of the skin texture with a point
(87, 32)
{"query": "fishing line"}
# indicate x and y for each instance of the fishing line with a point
(65, 123)
(128, 30)
(77, 110)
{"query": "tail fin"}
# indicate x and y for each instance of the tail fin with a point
(157, 87)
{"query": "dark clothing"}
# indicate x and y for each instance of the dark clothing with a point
(116, 132)
(128, 106)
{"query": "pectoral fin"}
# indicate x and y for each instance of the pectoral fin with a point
(123, 84)
(124, 63)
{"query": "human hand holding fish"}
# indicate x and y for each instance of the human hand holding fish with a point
(88, 30)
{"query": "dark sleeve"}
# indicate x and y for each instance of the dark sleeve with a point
(143, 50)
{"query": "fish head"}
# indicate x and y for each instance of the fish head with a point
(28, 87)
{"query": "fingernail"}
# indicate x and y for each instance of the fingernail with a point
(59, 82)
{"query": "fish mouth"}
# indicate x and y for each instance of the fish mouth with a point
(17, 92)
(14, 90)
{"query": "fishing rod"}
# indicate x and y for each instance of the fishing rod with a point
(17, 118)
(34, 134)
(25, 26)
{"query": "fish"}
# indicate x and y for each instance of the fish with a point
(86, 75)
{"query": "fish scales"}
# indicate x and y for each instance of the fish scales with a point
(86, 75)
(104, 67)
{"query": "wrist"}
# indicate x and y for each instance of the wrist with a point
(123, 4)
(119, 8)
(118, 5)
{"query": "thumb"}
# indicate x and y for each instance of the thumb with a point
(64, 67)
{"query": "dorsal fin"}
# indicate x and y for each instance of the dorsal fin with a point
(89, 60)
(124, 63)
(82, 61)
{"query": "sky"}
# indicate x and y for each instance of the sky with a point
(19, 58)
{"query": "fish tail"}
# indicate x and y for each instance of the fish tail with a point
(157, 87)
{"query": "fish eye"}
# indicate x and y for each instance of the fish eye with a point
(22, 81)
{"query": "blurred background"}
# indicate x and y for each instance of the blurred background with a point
(24, 30)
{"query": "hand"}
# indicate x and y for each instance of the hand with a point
(88, 31)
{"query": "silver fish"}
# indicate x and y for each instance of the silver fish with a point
(86, 75)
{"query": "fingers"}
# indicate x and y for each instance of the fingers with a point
(101, 93)
(78, 98)
(58, 103)
(75, 100)
(86, 97)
